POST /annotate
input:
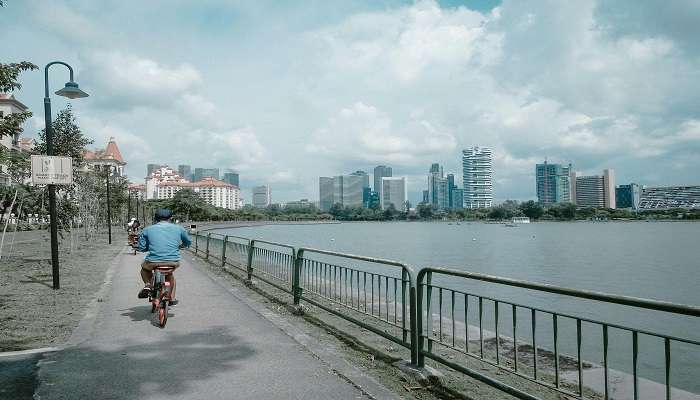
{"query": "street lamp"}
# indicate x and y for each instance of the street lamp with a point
(108, 171)
(71, 91)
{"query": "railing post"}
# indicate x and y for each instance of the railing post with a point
(196, 248)
(414, 332)
(206, 257)
(251, 247)
(296, 278)
(420, 358)
(223, 252)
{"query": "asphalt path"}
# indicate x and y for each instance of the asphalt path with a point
(213, 347)
(18, 376)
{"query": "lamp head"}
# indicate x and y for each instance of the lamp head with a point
(72, 91)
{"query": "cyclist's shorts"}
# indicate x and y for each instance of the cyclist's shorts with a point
(151, 265)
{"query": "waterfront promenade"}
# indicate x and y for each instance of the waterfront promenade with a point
(214, 346)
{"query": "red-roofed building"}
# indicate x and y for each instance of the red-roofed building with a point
(109, 157)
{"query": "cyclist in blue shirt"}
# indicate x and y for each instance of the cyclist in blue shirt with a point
(162, 241)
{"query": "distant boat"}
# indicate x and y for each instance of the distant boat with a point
(511, 225)
(520, 220)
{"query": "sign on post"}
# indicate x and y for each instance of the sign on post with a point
(52, 170)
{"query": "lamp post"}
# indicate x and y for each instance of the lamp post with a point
(70, 91)
(128, 207)
(109, 208)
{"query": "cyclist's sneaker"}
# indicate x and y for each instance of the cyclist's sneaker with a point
(174, 302)
(143, 294)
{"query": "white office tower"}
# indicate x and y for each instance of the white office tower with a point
(393, 191)
(477, 169)
(261, 196)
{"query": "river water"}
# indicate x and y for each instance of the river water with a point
(651, 260)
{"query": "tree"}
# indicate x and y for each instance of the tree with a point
(11, 125)
(187, 203)
(531, 210)
(68, 140)
(390, 211)
(498, 212)
(336, 210)
(425, 211)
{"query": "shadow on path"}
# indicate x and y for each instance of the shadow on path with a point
(128, 370)
(141, 313)
(18, 377)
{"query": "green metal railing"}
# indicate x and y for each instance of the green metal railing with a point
(449, 299)
(371, 287)
(431, 315)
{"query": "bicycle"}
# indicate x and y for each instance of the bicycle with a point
(134, 241)
(160, 293)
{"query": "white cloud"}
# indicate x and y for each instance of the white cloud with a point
(128, 80)
(65, 21)
(364, 133)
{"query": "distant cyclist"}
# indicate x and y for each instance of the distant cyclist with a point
(133, 225)
(162, 241)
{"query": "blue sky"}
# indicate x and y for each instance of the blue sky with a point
(285, 92)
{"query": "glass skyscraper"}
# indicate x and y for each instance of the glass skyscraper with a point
(438, 191)
(200, 173)
(628, 196)
(347, 190)
(553, 183)
(185, 171)
(477, 176)
(231, 178)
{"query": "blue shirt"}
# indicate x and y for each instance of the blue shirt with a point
(162, 241)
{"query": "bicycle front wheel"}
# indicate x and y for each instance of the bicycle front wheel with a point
(163, 313)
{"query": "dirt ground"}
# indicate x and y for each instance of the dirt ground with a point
(32, 314)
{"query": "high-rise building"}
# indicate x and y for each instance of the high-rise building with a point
(628, 196)
(393, 191)
(231, 178)
(477, 176)
(457, 199)
(366, 196)
(200, 173)
(380, 172)
(261, 196)
(596, 190)
(347, 190)
(185, 171)
(150, 168)
(353, 187)
(450, 188)
(687, 197)
(374, 200)
(553, 183)
(426, 197)
(325, 186)
(438, 191)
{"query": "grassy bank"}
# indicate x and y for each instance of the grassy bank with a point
(32, 314)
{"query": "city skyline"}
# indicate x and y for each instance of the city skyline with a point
(490, 83)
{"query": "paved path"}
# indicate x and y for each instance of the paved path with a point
(213, 347)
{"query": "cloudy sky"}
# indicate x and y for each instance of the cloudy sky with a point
(285, 92)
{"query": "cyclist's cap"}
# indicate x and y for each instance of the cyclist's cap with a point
(163, 213)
